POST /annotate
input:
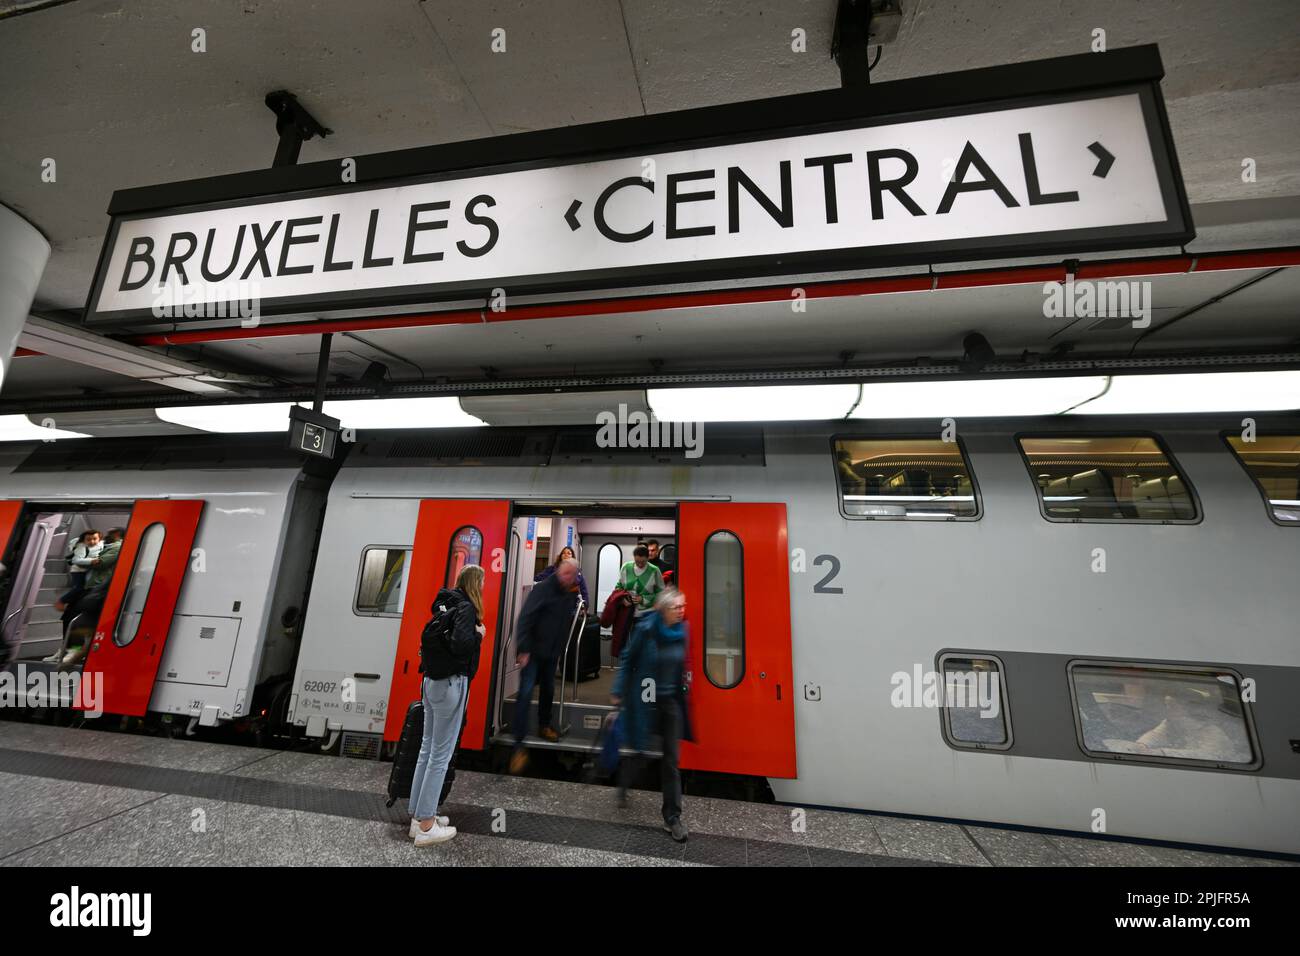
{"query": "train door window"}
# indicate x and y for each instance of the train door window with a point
(724, 609)
(975, 714)
(1184, 715)
(137, 593)
(466, 548)
(1273, 461)
(918, 478)
(1107, 478)
(609, 559)
(382, 581)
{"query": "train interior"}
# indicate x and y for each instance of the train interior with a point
(603, 542)
(47, 574)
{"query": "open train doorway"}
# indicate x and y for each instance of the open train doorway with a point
(92, 588)
(604, 540)
(60, 553)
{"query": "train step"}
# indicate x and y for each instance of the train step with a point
(42, 631)
(579, 724)
(49, 593)
(567, 744)
(43, 614)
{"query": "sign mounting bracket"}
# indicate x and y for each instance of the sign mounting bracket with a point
(293, 124)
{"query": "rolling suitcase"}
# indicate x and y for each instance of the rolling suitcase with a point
(408, 752)
(407, 755)
(584, 656)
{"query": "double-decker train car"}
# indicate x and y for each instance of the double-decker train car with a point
(1078, 623)
(202, 614)
(1086, 624)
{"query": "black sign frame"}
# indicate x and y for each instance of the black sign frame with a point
(1062, 79)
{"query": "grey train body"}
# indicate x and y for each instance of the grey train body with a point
(1009, 584)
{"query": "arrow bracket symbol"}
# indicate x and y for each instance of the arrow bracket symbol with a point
(1104, 159)
(571, 217)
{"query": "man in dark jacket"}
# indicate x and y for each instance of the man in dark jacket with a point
(543, 628)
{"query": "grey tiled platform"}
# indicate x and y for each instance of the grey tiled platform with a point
(86, 797)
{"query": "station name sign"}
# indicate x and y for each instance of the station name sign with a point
(1062, 171)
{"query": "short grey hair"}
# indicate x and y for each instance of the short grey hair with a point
(567, 561)
(666, 597)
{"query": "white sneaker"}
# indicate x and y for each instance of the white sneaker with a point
(437, 821)
(435, 834)
(54, 658)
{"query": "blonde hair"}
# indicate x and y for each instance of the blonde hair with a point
(470, 580)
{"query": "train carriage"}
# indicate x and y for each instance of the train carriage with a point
(201, 620)
(1075, 623)
(846, 580)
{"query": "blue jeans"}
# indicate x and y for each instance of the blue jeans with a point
(540, 673)
(443, 705)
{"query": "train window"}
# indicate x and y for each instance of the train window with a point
(608, 562)
(1111, 478)
(466, 548)
(382, 581)
(137, 589)
(923, 478)
(1163, 714)
(724, 609)
(975, 712)
(1274, 462)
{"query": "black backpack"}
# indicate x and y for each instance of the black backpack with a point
(435, 639)
(438, 639)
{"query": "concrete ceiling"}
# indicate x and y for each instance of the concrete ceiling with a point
(112, 90)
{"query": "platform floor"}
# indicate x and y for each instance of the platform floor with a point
(89, 798)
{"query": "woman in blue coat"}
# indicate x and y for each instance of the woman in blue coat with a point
(651, 689)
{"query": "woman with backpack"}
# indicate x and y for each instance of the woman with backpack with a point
(448, 657)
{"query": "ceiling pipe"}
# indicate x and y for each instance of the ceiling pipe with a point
(1014, 275)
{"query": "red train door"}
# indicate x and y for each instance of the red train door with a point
(733, 562)
(137, 614)
(9, 512)
(448, 536)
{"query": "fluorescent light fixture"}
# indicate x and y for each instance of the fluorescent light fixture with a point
(976, 399)
(21, 428)
(755, 403)
(1013, 397)
(360, 413)
(989, 398)
(1197, 392)
(402, 413)
(264, 417)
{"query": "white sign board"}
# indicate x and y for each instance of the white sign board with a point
(1081, 172)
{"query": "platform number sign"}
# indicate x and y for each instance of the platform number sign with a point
(312, 433)
(313, 439)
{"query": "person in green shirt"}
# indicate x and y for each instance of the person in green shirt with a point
(641, 579)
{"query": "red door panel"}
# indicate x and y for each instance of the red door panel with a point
(435, 551)
(9, 512)
(747, 728)
(128, 671)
